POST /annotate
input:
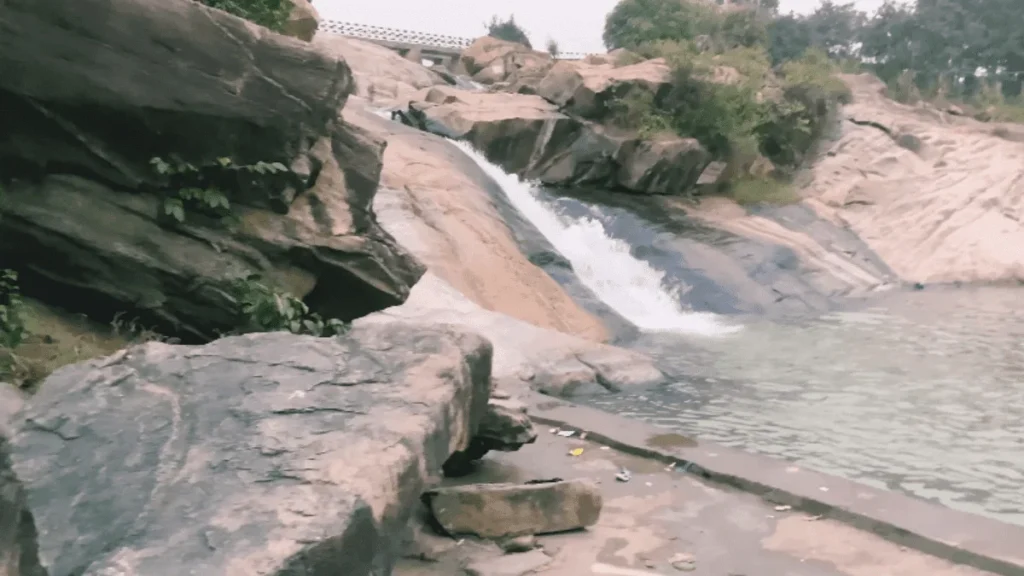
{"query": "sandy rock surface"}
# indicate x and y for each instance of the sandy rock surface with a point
(939, 197)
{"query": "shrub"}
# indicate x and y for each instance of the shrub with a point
(508, 30)
(268, 13)
(205, 189)
(263, 309)
(553, 47)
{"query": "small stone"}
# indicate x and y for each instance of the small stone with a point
(683, 562)
(623, 476)
(519, 544)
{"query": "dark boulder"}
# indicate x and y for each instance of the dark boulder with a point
(83, 217)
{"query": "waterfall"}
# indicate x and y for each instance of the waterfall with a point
(604, 264)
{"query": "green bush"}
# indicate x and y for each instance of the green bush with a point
(263, 309)
(12, 325)
(268, 13)
(205, 189)
(508, 30)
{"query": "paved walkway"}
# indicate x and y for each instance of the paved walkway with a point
(660, 514)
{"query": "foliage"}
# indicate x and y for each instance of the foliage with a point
(751, 190)
(262, 309)
(507, 30)
(203, 189)
(636, 23)
(269, 13)
(12, 325)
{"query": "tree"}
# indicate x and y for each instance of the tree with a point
(553, 48)
(508, 30)
(633, 23)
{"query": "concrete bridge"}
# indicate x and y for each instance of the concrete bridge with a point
(438, 48)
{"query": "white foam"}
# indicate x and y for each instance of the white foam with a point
(604, 264)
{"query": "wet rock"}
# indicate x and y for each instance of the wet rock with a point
(511, 565)
(260, 454)
(506, 510)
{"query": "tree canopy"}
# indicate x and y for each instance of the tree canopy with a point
(508, 30)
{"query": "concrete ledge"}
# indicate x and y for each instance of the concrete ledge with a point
(933, 529)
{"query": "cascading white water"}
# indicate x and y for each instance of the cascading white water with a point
(604, 264)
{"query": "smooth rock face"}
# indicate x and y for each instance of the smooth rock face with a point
(950, 211)
(444, 209)
(529, 136)
(260, 454)
(502, 510)
(170, 78)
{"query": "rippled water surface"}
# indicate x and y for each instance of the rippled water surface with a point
(921, 392)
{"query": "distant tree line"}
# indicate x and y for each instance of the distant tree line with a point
(951, 47)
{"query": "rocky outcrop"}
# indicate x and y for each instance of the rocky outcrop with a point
(525, 355)
(260, 454)
(949, 208)
(529, 136)
(505, 427)
(489, 60)
(83, 215)
(440, 206)
(382, 76)
(303, 21)
(587, 90)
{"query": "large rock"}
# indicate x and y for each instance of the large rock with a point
(303, 21)
(382, 76)
(529, 136)
(261, 454)
(506, 510)
(447, 212)
(178, 78)
(586, 90)
(950, 209)
(489, 60)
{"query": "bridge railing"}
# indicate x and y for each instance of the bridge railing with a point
(400, 36)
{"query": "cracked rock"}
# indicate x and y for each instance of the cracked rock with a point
(267, 454)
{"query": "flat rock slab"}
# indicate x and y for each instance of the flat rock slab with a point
(268, 454)
(503, 510)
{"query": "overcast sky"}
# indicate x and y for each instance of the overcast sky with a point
(575, 24)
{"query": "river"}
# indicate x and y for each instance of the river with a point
(915, 391)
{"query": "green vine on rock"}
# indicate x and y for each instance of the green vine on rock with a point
(263, 309)
(202, 189)
(12, 325)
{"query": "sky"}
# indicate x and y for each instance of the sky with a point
(575, 24)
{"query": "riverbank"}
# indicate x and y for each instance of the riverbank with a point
(666, 521)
